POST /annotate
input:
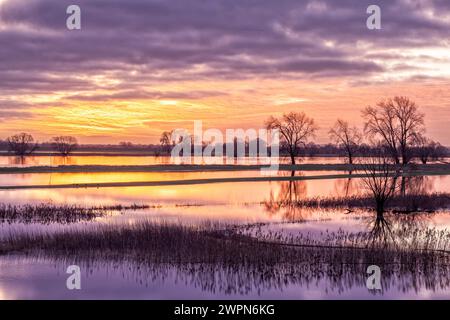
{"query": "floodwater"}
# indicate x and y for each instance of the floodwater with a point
(37, 277)
(134, 160)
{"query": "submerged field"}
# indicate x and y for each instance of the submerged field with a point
(292, 237)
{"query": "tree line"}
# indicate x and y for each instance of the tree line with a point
(396, 126)
(23, 144)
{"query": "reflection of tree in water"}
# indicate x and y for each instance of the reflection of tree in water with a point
(380, 232)
(289, 194)
(345, 187)
(418, 185)
(400, 231)
(63, 160)
(19, 160)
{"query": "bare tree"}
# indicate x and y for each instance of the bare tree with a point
(347, 137)
(22, 144)
(427, 149)
(166, 141)
(380, 178)
(396, 122)
(295, 129)
(126, 144)
(64, 144)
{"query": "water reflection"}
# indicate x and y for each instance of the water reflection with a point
(311, 273)
(381, 232)
(346, 187)
(77, 159)
(400, 195)
(286, 200)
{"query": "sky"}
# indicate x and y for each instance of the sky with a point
(140, 67)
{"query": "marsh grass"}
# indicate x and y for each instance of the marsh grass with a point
(63, 214)
(399, 235)
(218, 243)
(224, 258)
(399, 203)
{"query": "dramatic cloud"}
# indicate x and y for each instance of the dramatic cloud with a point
(192, 39)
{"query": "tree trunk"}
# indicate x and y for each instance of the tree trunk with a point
(292, 159)
(380, 210)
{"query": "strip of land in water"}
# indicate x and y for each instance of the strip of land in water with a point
(443, 168)
(207, 181)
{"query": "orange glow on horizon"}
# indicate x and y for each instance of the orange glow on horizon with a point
(240, 104)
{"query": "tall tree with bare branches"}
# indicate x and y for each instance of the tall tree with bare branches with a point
(166, 141)
(347, 137)
(295, 128)
(380, 178)
(22, 144)
(64, 144)
(395, 122)
(427, 149)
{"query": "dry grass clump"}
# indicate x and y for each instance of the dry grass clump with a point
(63, 214)
(399, 203)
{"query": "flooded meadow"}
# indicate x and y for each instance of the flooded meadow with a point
(300, 238)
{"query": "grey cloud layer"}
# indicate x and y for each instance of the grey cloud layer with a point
(143, 42)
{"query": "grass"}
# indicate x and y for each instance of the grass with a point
(223, 258)
(396, 235)
(63, 214)
(399, 203)
(215, 243)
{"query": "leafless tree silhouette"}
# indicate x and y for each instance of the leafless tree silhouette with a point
(64, 144)
(295, 129)
(396, 122)
(380, 179)
(427, 149)
(347, 137)
(22, 144)
(166, 141)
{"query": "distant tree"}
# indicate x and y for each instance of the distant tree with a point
(64, 144)
(396, 122)
(295, 129)
(347, 137)
(166, 141)
(427, 149)
(126, 144)
(21, 144)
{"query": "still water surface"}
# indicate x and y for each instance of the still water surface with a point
(247, 202)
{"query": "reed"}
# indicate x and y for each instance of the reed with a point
(64, 214)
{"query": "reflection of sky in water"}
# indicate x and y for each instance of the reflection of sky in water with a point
(29, 278)
(233, 202)
(11, 161)
(74, 178)
(216, 193)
